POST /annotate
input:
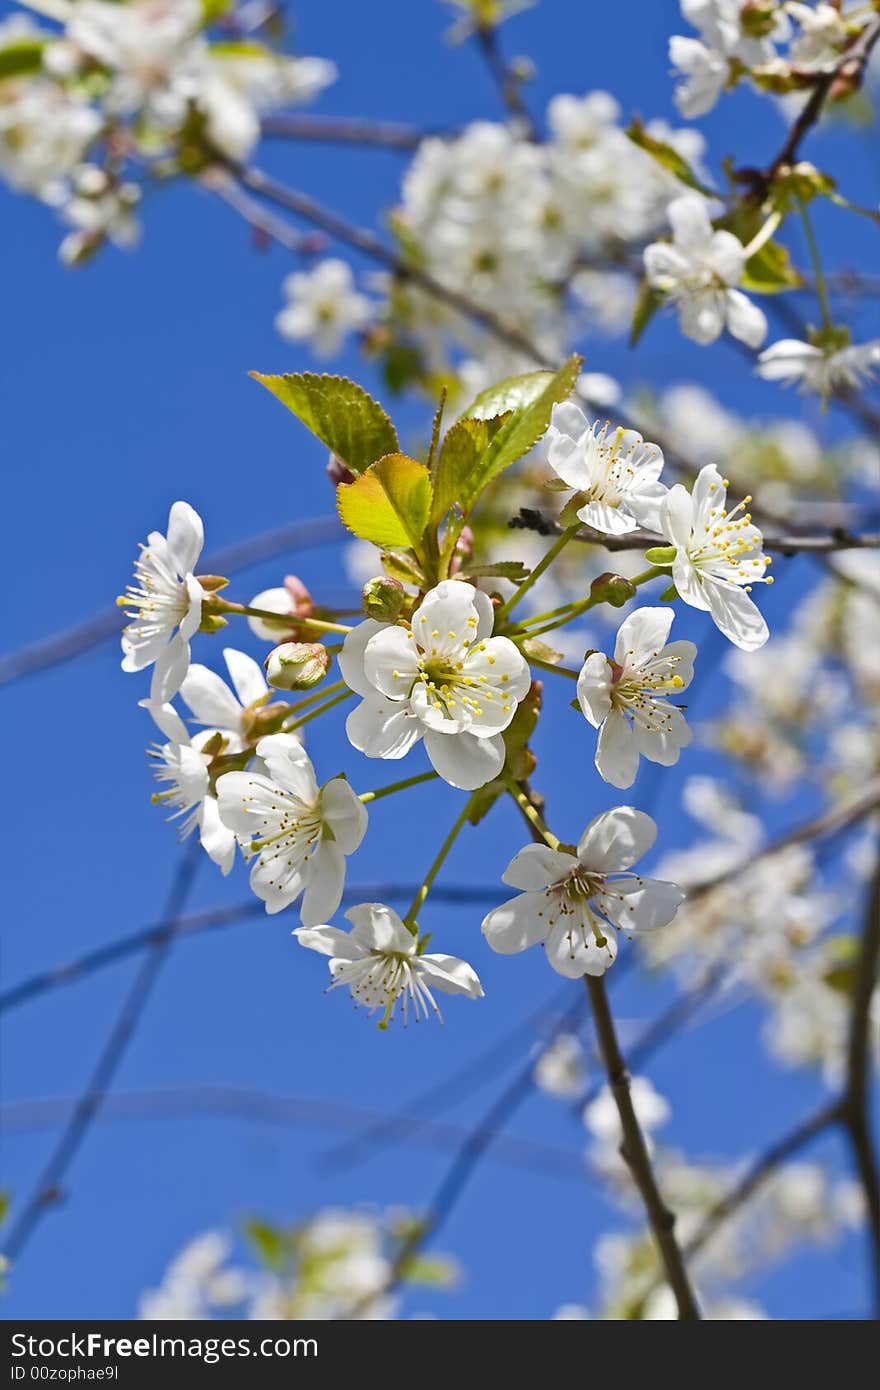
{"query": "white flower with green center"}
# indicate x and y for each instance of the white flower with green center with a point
(698, 271)
(164, 603)
(381, 962)
(821, 369)
(575, 903)
(299, 832)
(182, 766)
(627, 698)
(615, 469)
(444, 678)
(718, 556)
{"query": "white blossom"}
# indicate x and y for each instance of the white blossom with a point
(626, 698)
(560, 1069)
(181, 766)
(698, 271)
(299, 833)
(164, 603)
(705, 63)
(718, 556)
(602, 1119)
(614, 468)
(380, 962)
(576, 903)
(217, 706)
(324, 307)
(824, 370)
(443, 678)
(823, 34)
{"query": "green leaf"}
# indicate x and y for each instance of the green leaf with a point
(648, 301)
(402, 567)
(520, 432)
(430, 1271)
(389, 504)
(770, 269)
(268, 1242)
(512, 393)
(668, 157)
(22, 57)
(514, 570)
(465, 442)
(339, 412)
(540, 651)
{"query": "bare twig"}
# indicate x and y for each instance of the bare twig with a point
(840, 538)
(634, 1152)
(208, 919)
(856, 1116)
(506, 79)
(350, 130)
(64, 646)
(49, 1188)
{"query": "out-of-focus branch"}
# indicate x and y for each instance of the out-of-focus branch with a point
(634, 1152)
(81, 637)
(856, 1117)
(49, 1188)
(350, 130)
(505, 78)
(208, 919)
(840, 538)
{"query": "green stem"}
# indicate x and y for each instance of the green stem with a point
(367, 797)
(322, 709)
(544, 564)
(244, 609)
(525, 623)
(584, 605)
(557, 670)
(763, 235)
(531, 814)
(818, 272)
(424, 890)
(322, 694)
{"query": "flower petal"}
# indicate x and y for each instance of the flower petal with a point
(537, 866)
(617, 752)
(463, 760)
(515, 925)
(450, 974)
(324, 878)
(209, 698)
(345, 813)
(186, 536)
(573, 950)
(642, 635)
(594, 688)
(379, 728)
(616, 839)
(391, 662)
(351, 658)
(446, 618)
(640, 904)
(736, 615)
(246, 675)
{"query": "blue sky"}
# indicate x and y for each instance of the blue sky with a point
(124, 386)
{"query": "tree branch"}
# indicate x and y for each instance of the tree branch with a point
(856, 1117)
(49, 1187)
(350, 130)
(634, 1152)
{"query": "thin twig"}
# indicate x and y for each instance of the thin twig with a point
(208, 919)
(840, 538)
(351, 130)
(63, 646)
(49, 1188)
(856, 1117)
(508, 83)
(634, 1152)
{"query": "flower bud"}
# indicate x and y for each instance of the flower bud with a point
(382, 598)
(611, 588)
(297, 665)
(338, 472)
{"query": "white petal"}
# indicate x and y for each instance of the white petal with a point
(290, 766)
(701, 316)
(573, 951)
(381, 729)
(463, 760)
(217, 839)
(445, 618)
(614, 521)
(210, 699)
(351, 658)
(186, 536)
(271, 601)
(391, 663)
(736, 615)
(745, 320)
(594, 688)
(485, 614)
(378, 928)
(345, 813)
(515, 925)
(642, 635)
(676, 515)
(617, 753)
(324, 878)
(664, 745)
(166, 718)
(691, 227)
(246, 676)
(616, 839)
(641, 904)
(450, 974)
(537, 866)
(330, 941)
(169, 671)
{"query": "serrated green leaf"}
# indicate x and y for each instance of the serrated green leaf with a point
(667, 156)
(648, 301)
(512, 393)
(464, 443)
(389, 504)
(338, 412)
(24, 56)
(520, 432)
